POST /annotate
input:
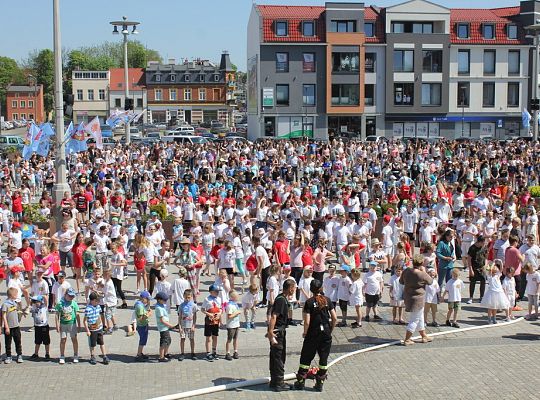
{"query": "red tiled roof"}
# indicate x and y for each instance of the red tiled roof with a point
(500, 17)
(294, 16)
(135, 78)
(377, 17)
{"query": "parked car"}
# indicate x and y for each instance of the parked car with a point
(185, 139)
(11, 141)
(107, 141)
(181, 130)
(160, 125)
(376, 139)
(153, 135)
(106, 131)
(147, 128)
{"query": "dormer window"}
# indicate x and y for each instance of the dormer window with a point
(187, 77)
(216, 78)
(463, 30)
(512, 31)
(282, 28)
(158, 78)
(369, 29)
(488, 31)
(308, 28)
(201, 77)
(173, 78)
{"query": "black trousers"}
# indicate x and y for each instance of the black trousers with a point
(521, 284)
(15, 334)
(152, 276)
(296, 273)
(265, 273)
(318, 275)
(278, 353)
(320, 344)
(118, 287)
(477, 278)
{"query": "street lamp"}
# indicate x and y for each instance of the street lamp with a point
(34, 79)
(125, 25)
(535, 30)
(61, 184)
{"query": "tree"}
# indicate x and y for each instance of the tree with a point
(10, 73)
(44, 72)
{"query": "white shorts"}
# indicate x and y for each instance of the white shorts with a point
(465, 246)
(389, 251)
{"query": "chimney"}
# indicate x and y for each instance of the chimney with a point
(172, 61)
(225, 63)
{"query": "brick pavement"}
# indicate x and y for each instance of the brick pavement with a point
(373, 375)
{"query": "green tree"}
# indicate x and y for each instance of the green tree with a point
(43, 67)
(10, 73)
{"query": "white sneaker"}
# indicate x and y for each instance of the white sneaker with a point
(7, 360)
(61, 360)
(20, 360)
(75, 359)
(469, 301)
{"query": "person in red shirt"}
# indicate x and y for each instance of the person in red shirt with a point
(78, 249)
(16, 205)
(26, 253)
(82, 200)
(282, 250)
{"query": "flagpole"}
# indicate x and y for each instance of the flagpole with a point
(61, 184)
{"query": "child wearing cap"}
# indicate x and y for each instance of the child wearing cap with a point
(142, 313)
(187, 319)
(373, 290)
(211, 308)
(67, 322)
(40, 287)
(94, 328)
(41, 326)
(10, 321)
(163, 326)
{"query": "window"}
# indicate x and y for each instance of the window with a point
(15, 116)
(31, 116)
(308, 95)
(90, 94)
(308, 28)
(173, 78)
(489, 62)
(488, 94)
(412, 27)
(101, 94)
(172, 95)
(345, 62)
(23, 116)
(14, 104)
(513, 94)
(403, 94)
(282, 62)
(79, 94)
(463, 31)
(432, 60)
(158, 95)
(282, 95)
(512, 31)
(488, 31)
(463, 97)
(308, 62)
(369, 29)
(187, 94)
(369, 95)
(158, 78)
(139, 103)
(464, 62)
(187, 78)
(403, 60)
(282, 28)
(118, 103)
(342, 26)
(201, 77)
(23, 104)
(345, 95)
(217, 94)
(217, 77)
(269, 126)
(202, 94)
(431, 94)
(371, 62)
(30, 103)
(514, 62)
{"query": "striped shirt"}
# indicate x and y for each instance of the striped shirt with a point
(92, 317)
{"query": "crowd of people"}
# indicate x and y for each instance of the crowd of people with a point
(356, 218)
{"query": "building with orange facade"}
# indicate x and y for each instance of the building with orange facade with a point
(25, 102)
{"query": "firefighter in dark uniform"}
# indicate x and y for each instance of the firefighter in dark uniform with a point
(277, 336)
(319, 322)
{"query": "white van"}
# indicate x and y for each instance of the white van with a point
(181, 130)
(184, 139)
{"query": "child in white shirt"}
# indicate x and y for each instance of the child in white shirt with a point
(509, 288)
(373, 289)
(396, 296)
(110, 300)
(164, 286)
(343, 295)
(356, 296)
(272, 286)
(249, 305)
(453, 289)
(531, 290)
(330, 284)
(432, 298)
(303, 286)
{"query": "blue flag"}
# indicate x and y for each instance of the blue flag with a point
(526, 118)
(44, 147)
(31, 141)
(76, 142)
(48, 130)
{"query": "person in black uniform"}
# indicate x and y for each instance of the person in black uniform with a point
(319, 322)
(277, 336)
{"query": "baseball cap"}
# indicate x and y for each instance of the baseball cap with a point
(38, 298)
(213, 288)
(373, 263)
(387, 218)
(70, 292)
(16, 225)
(61, 274)
(16, 269)
(154, 214)
(145, 295)
(162, 296)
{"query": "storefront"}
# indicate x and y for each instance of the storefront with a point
(350, 126)
(289, 127)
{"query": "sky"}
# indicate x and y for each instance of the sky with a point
(176, 28)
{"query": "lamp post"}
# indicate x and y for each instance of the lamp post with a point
(61, 184)
(535, 30)
(34, 79)
(125, 24)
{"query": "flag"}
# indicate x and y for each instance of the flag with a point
(43, 147)
(526, 118)
(138, 116)
(93, 129)
(116, 118)
(78, 139)
(48, 130)
(68, 132)
(28, 148)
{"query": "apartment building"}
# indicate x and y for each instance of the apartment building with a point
(414, 69)
(137, 90)
(25, 102)
(90, 92)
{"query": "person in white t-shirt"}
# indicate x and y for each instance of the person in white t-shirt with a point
(469, 232)
(373, 289)
(453, 290)
(110, 301)
(178, 287)
(343, 294)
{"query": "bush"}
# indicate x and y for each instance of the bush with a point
(161, 209)
(535, 191)
(31, 211)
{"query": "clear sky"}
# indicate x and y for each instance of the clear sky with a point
(176, 28)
